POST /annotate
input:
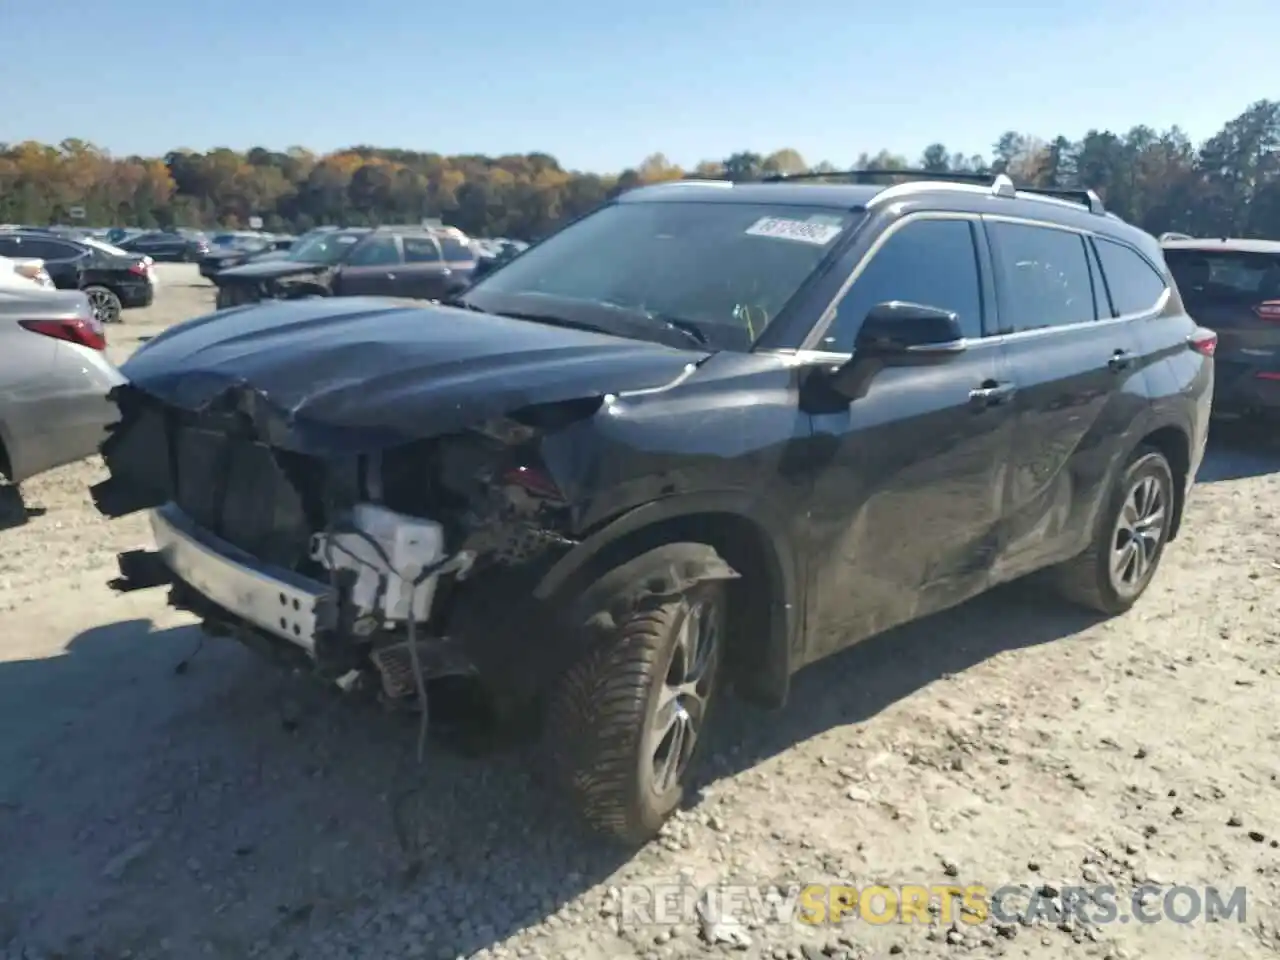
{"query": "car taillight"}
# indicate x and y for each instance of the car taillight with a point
(534, 482)
(138, 268)
(86, 332)
(1203, 342)
(1268, 310)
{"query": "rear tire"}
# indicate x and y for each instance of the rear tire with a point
(1133, 529)
(105, 303)
(627, 721)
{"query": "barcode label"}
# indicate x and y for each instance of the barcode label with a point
(779, 228)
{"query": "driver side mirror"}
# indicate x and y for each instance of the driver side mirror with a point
(894, 333)
(901, 332)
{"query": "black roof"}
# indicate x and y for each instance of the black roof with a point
(848, 196)
(1068, 208)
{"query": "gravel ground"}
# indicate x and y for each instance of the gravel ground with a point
(149, 809)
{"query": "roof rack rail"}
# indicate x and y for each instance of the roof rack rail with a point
(1080, 195)
(1000, 183)
(860, 176)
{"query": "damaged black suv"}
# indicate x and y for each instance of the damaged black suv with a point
(703, 436)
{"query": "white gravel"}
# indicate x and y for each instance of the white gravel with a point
(230, 811)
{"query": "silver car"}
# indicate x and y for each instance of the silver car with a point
(54, 378)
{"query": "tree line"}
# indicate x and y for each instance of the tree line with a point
(1227, 186)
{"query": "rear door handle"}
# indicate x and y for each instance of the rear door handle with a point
(992, 393)
(1120, 360)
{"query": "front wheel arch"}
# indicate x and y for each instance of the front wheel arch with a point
(764, 601)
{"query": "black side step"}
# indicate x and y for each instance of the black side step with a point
(140, 570)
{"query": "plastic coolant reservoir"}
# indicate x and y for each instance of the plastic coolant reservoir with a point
(411, 544)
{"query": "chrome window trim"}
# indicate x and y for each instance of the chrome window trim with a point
(808, 345)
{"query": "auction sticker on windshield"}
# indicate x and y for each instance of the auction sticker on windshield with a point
(780, 228)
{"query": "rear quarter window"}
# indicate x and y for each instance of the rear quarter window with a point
(1134, 284)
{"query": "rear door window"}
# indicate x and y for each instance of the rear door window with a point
(1134, 284)
(377, 251)
(49, 249)
(421, 250)
(1044, 277)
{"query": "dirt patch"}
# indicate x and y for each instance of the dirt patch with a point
(155, 805)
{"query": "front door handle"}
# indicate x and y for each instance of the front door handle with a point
(992, 393)
(1120, 360)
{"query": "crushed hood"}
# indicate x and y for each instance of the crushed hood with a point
(351, 375)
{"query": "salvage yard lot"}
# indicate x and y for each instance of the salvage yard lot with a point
(152, 809)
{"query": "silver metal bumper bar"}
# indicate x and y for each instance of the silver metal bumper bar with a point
(278, 601)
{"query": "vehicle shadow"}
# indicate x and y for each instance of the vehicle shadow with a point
(218, 804)
(1238, 450)
(14, 510)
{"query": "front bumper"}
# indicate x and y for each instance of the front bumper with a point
(277, 601)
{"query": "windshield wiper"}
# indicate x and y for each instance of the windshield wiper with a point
(551, 320)
(687, 327)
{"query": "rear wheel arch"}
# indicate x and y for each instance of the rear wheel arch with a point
(763, 601)
(1174, 443)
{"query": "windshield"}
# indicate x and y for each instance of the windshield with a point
(327, 248)
(726, 268)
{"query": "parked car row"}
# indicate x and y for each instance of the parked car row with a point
(113, 279)
(396, 261)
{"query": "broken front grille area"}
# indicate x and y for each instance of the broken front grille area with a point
(264, 501)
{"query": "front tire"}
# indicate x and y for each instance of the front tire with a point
(1132, 532)
(626, 724)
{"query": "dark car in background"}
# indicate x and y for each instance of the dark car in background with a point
(179, 246)
(114, 280)
(390, 261)
(1233, 287)
(232, 250)
(700, 438)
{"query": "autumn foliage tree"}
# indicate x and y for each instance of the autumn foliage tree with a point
(1229, 185)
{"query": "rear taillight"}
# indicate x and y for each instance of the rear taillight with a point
(1203, 342)
(1267, 375)
(87, 333)
(1268, 310)
(140, 269)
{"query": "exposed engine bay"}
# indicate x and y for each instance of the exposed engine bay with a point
(384, 570)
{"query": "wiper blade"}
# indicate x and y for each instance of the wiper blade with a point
(687, 327)
(553, 320)
(463, 302)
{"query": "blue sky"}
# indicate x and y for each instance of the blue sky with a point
(600, 86)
